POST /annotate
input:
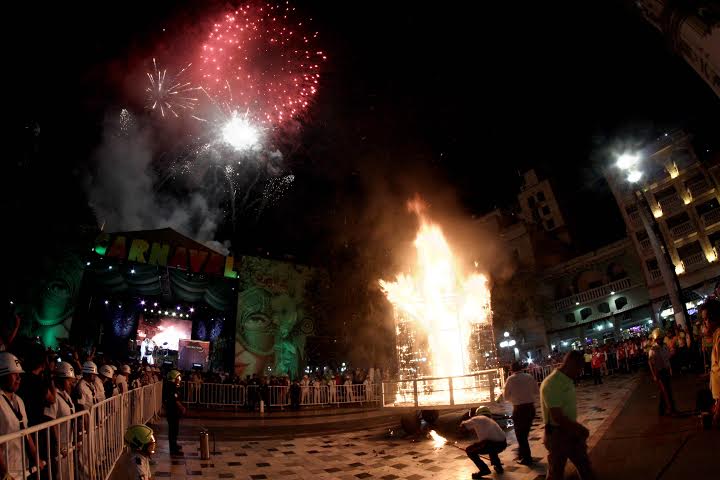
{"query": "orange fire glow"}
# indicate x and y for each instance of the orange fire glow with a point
(443, 300)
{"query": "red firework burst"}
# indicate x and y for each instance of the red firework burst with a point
(260, 59)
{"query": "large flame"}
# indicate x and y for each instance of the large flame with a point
(438, 440)
(444, 303)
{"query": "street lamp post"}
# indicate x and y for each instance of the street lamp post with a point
(628, 163)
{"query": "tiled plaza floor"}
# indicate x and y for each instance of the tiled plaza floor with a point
(374, 453)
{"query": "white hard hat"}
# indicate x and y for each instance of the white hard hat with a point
(64, 370)
(90, 367)
(125, 369)
(9, 363)
(114, 368)
(106, 371)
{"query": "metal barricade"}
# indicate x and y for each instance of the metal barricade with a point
(279, 396)
(218, 394)
(106, 434)
(481, 387)
(85, 445)
(59, 447)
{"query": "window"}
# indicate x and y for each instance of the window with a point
(531, 202)
(540, 196)
(549, 224)
(585, 313)
(620, 303)
(546, 210)
(604, 307)
(570, 317)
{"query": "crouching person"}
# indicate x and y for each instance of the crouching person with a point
(491, 441)
(134, 464)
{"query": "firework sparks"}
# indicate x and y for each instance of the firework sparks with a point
(438, 441)
(170, 94)
(262, 60)
(240, 133)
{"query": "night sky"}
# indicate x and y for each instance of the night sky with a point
(447, 99)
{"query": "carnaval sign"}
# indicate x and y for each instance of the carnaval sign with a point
(141, 247)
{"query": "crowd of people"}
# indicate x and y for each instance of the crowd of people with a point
(40, 384)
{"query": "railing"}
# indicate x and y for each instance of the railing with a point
(694, 261)
(590, 295)
(671, 204)
(711, 218)
(83, 445)
(540, 372)
(480, 387)
(655, 274)
(216, 394)
(645, 246)
(635, 220)
(698, 188)
(683, 229)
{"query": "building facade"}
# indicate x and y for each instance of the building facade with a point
(683, 195)
(692, 30)
(596, 296)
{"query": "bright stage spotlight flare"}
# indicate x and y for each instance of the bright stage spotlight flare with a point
(240, 133)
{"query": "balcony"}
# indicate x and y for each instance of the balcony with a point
(590, 295)
(655, 274)
(711, 218)
(671, 204)
(635, 220)
(682, 230)
(695, 261)
(645, 247)
(698, 188)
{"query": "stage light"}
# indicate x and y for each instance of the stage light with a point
(142, 302)
(110, 267)
(132, 271)
(155, 304)
(177, 308)
(106, 302)
(88, 264)
(192, 309)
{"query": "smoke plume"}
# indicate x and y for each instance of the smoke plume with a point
(123, 196)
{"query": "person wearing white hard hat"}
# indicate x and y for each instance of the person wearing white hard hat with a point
(122, 379)
(85, 390)
(99, 387)
(105, 373)
(64, 378)
(13, 418)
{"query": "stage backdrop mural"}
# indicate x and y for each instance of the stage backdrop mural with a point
(278, 306)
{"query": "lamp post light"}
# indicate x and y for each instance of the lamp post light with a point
(629, 164)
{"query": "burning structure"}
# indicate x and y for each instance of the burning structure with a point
(443, 325)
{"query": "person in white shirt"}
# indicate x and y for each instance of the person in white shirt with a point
(520, 390)
(122, 379)
(13, 459)
(63, 407)
(85, 390)
(491, 441)
(147, 348)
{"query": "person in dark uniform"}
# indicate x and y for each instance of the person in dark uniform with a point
(174, 409)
